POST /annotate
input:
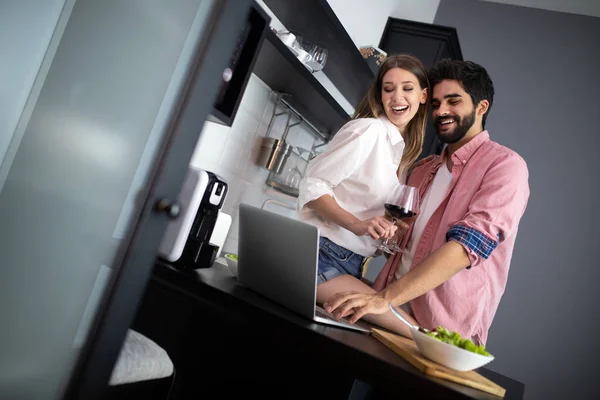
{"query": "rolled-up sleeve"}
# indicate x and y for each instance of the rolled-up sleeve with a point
(495, 210)
(347, 151)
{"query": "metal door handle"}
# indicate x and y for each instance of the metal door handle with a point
(171, 208)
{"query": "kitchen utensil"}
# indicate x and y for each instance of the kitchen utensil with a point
(273, 154)
(408, 350)
(401, 318)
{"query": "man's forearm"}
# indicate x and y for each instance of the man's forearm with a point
(434, 270)
(329, 209)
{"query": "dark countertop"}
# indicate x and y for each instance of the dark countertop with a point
(358, 353)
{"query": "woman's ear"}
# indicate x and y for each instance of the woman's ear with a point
(423, 99)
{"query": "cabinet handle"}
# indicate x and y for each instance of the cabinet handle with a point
(227, 74)
(168, 207)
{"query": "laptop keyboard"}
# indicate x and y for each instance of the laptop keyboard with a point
(320, 312)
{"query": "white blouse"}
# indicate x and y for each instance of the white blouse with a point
(359, 170)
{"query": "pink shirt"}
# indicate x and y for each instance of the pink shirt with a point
(485, 202)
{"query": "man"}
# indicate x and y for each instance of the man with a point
(458, 250)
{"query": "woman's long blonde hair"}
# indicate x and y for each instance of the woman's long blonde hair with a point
(371, 105)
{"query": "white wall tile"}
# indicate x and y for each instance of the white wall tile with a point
(231, 156)
(237, 189)
(255, 96)
(228, 210)
(210, 145)
(252, 172)
(232, 152)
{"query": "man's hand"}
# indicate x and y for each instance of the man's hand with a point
(356, 304)
(376, 227)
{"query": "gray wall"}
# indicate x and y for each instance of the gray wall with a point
(545, 68)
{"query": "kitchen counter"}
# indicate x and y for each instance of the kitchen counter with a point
(213, 329)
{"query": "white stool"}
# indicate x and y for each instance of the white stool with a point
(140, 360)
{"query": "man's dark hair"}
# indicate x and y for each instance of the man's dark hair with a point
(473, 78)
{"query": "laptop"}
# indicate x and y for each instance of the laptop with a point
(277, 258)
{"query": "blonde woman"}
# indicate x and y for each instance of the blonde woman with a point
(344, 189)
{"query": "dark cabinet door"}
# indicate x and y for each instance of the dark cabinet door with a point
(239, 68)
(428, 42)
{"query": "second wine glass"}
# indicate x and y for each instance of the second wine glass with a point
(403, 203)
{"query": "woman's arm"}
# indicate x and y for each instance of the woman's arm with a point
(376, 227)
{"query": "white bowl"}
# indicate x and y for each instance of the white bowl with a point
(232, 265)
(448, 355)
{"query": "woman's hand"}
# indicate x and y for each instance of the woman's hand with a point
(356, 305)
(377, 227)
(402, 225)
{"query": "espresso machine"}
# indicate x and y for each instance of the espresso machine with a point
(187, 240)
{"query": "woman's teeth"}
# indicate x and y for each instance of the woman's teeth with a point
(400, 108)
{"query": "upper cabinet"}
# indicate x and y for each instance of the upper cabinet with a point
(315, 19)
(279, 67)
(236, 75)
(428, 42)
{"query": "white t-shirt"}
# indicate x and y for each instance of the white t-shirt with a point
(433, 198)
(359, 170)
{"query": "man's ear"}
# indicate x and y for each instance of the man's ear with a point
(482, 107)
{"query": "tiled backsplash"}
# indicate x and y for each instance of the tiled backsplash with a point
(231, 152)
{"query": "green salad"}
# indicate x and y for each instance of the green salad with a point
(454, 338)
(231, 257)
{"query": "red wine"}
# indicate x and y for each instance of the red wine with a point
(398, 212)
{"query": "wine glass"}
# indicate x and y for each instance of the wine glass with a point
(402, 203)
(294, 175)
(319, 55)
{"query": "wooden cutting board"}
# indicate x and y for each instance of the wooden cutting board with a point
(407, 349)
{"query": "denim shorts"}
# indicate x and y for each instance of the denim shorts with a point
(336, 260)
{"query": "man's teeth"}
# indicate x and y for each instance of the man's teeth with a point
(446, 121)
(401, 108)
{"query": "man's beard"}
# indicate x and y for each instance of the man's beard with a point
(462, 127)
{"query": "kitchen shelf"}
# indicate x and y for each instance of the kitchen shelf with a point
(279, 68)
(283, 188)
(316, 21)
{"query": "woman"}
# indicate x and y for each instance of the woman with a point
(344, 189)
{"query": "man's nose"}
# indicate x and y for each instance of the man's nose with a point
(441, 111)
